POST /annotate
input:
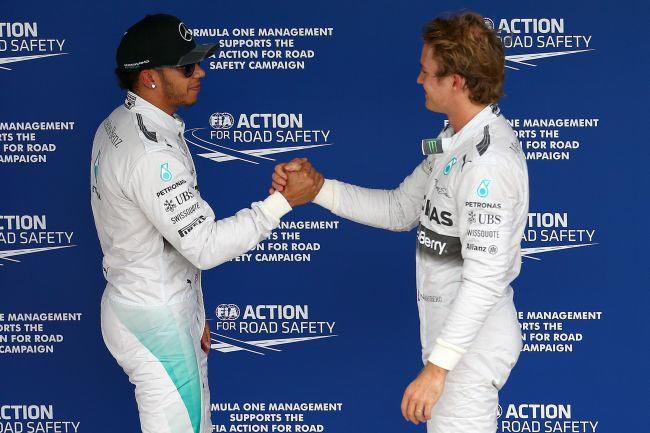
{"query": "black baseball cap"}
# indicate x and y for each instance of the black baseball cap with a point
(160, 40)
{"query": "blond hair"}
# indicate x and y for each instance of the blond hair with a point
(463, 44)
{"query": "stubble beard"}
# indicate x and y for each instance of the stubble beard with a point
(174, 96)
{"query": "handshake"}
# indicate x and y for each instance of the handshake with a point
(297, 181)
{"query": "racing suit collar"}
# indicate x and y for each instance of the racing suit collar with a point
(486, 115)
(137, 103)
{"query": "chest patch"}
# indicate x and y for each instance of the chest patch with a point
(434, 244)
(443, 218)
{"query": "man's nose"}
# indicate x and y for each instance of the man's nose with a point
(199, 72)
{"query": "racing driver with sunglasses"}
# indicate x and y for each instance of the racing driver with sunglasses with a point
(157, 233)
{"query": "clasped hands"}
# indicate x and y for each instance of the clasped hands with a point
(297, 181)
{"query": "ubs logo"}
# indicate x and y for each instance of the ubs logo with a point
(184, 196)
(483, 218)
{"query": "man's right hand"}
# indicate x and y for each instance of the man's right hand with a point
(297, 180)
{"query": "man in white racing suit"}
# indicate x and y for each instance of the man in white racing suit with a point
(469, 200)
(157, 233)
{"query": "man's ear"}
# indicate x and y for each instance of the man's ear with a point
(148, 78)
(459, 82)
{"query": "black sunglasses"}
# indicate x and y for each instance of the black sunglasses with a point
(188, 70)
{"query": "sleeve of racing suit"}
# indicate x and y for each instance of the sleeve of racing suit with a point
(397, 209)
(489, 206)
(162, 186)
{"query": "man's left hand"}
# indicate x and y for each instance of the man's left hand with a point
(205, 339)
(423, 393)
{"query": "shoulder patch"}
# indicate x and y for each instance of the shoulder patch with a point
(149, 134)
(129, 102)
(485, 143)
(428, 166)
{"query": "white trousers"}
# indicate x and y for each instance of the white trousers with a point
(159, 348)
(469, 401)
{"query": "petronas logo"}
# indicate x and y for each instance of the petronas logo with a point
(449, 165)
(482, 190)
(165, 174)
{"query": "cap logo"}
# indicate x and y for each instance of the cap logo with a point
(184, 32)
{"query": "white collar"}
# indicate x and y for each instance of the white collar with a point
(140, 105)
(483, 117)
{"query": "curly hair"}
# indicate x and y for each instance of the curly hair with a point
(127, 80)
(463, 44)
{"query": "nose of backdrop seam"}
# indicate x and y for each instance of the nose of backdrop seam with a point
(160, 40)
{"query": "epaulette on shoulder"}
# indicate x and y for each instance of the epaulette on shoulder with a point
(483, 145)
(150, 135)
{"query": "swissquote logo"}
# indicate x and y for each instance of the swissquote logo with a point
(21, 42)
(29, 231)
(537, 38)
(250, 137)
(258, 329)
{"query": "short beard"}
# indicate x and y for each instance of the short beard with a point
(173, 97)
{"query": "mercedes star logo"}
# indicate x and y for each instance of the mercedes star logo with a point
(184, 32)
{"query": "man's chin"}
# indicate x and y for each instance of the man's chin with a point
(431, 107)
(190, 101)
